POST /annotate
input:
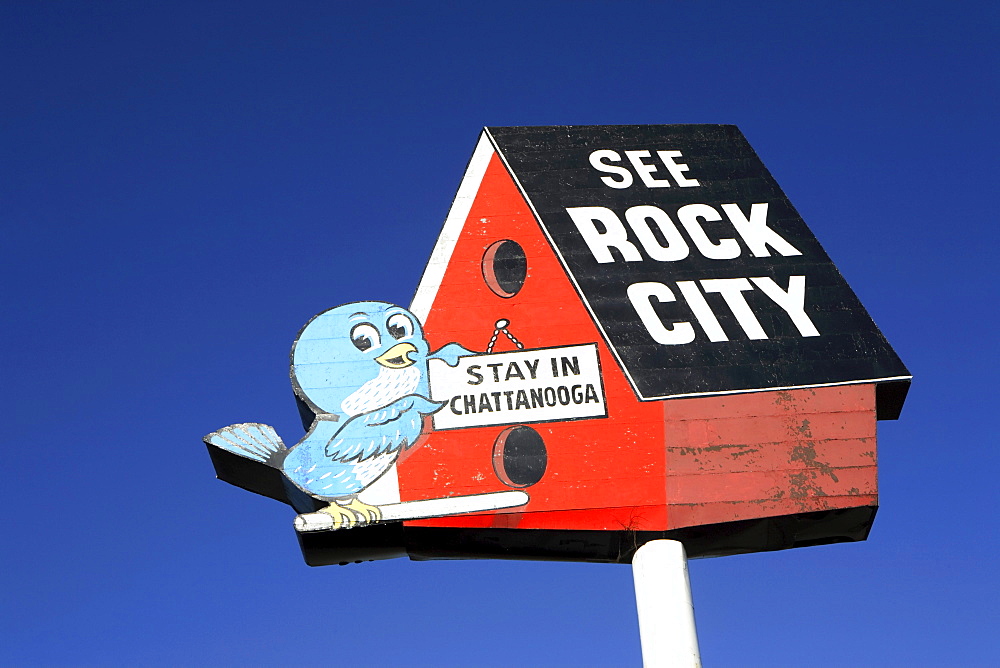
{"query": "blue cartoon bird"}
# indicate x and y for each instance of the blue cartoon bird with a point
(361, 369)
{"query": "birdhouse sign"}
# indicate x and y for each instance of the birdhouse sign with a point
(623, 333)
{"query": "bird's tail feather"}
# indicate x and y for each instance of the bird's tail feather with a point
(252, 440)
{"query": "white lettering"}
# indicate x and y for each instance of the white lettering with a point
(597, 159)
(732, 290)
(638, 218)
(645, 171)
(639, 294)
(689, 215)
(677, 169)
(755, 232)
(793, 301)
(600, 243)
(702, 311)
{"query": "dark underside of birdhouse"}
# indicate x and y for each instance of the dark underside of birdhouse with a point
(713, 540)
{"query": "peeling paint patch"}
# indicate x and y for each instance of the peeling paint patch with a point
(805, 452)
(784, 399)
(802, 487)
(739, 449)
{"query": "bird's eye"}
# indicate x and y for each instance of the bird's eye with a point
(400, 326)
(365, 336)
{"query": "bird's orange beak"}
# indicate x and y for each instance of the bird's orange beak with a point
(397, 356)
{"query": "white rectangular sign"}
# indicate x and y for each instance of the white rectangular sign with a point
(538, 385)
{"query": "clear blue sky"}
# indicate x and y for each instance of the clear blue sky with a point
(184, 184)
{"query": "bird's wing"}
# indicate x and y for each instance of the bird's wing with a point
(450, 353)
(383, 430)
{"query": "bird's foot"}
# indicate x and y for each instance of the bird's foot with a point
(343, 517)
(352, 513)
(368, 514)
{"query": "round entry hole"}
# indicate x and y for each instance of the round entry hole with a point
(519, 457)
(505, 267)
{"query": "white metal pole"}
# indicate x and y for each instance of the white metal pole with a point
(663, 600)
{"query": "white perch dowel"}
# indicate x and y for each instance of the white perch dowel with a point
(663, 600)
(415, 510)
